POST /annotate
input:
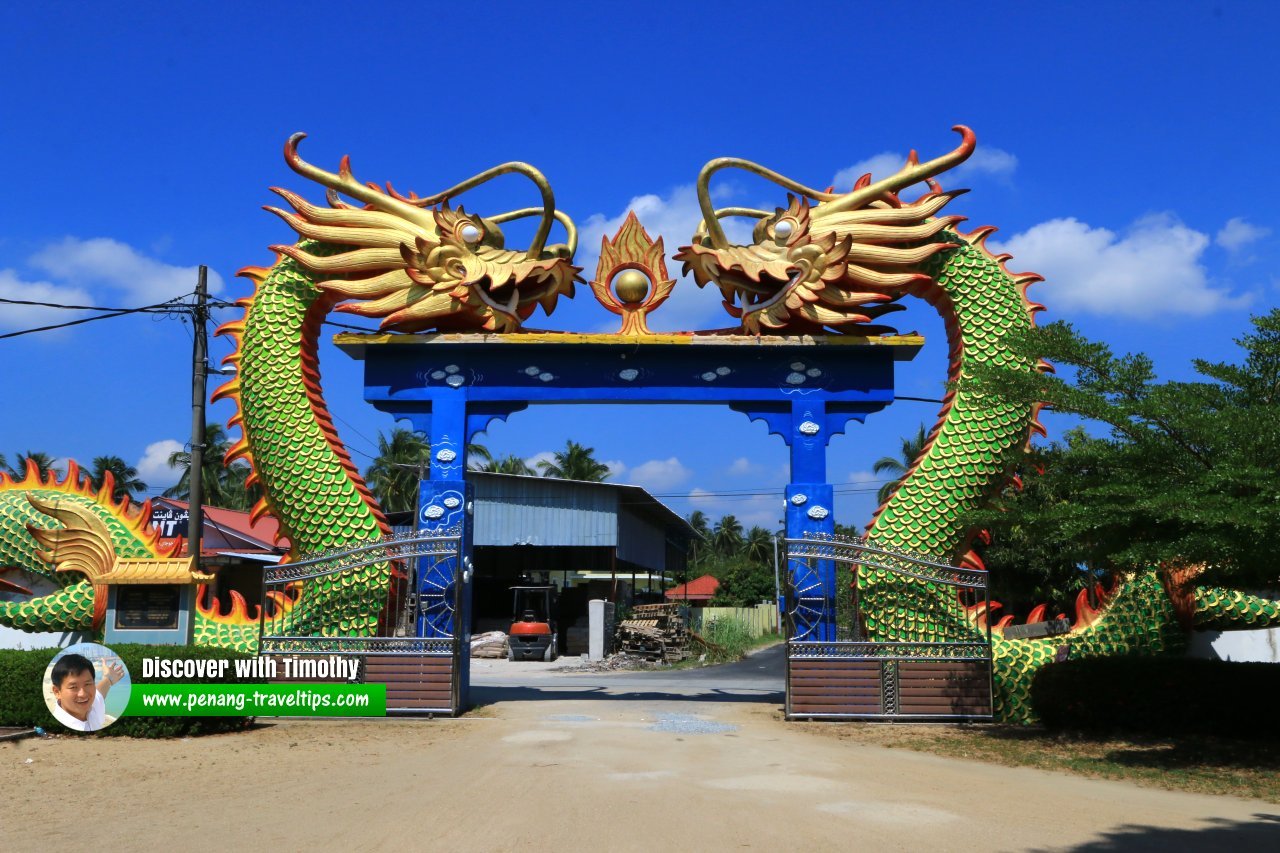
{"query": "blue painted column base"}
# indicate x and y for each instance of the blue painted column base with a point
(444, 584)
(810, 511)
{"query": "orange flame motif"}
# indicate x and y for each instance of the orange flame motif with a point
(279, 605)
(631, 277)
(136, 518)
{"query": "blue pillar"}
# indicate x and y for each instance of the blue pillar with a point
(811, 510)
(445, 501)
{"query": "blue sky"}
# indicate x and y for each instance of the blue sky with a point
(1124, 151)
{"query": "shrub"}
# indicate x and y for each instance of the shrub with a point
(22, 691)
(1159, 696)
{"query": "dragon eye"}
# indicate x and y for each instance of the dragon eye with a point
(470, 234)
(783, 229)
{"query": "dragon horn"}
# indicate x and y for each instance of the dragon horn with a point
(709, 214)
(346, 183)
(413, 210)
(912, 173)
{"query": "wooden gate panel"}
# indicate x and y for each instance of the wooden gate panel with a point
(415, 683)
(821, 687)
(927, 688)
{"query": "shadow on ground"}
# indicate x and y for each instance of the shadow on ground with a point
(1165, 753)
(1262, 834)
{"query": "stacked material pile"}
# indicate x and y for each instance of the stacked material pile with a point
(655, 632)
(491, 644)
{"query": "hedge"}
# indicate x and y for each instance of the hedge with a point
(1159, 696)
(22, 692)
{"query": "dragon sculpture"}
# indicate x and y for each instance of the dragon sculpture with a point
(830, 262)
(827, 263)
(416, 263)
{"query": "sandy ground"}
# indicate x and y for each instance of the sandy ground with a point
(602, 774)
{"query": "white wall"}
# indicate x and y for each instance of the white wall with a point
(1262, 645)
(12, 638)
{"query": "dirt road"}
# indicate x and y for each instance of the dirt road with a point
(568, 774)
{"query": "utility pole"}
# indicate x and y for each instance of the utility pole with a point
(199, 378)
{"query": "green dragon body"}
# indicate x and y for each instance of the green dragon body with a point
(420, 265)
(835, 265)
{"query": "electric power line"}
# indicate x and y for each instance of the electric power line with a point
(112, 313)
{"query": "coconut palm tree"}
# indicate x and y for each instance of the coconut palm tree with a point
(219, 485)
(699, 547)
(758, 545)
(403, 459)
(510, 464)
(479, 458)
(912, 447)
(43, 463)
(124, 475)
(726, 536)
(575, 462)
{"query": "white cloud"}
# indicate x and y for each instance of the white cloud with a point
(118, 266)
(865, 477)
(1238, 233)
(880, 165)
(995, 162)
(538, 458)
(986, 161)
(17, 317)
(659, 475)
(763, 510)
(153, 467)
(1153, 269)
(675, 218)
(743, 466)
(616, 468)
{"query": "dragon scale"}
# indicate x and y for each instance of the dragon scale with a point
(76, 605)
(311, 486)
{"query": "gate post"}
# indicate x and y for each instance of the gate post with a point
(811, 503)
(445, 506)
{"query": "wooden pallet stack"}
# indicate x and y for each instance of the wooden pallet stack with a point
(656, 632)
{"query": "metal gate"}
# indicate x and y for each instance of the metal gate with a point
(844, 673)
(411, 581)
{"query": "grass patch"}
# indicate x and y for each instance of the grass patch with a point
(729, 640)
(1200, 764)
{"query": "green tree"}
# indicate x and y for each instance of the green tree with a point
(394, 474)
(757, 545)
(479, 458)
(700, 547)
(43, 463)
(912, 447)
(122, 473)
(575, 462)
(726, 537)
(1186, 475)
(220, 485)
(509, 464)
(743, 583)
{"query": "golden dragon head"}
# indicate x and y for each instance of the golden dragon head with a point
(827, 260)
(419, 264)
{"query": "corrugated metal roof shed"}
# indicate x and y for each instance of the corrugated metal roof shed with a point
(515, 510)
(518, 510)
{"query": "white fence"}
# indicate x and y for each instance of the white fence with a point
(761, 619)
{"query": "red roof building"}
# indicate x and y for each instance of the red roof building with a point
(226, 531)
(697, 591)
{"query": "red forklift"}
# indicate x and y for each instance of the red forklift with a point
(533, 628)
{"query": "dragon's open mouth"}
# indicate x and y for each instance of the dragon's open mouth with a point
(503, 297)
